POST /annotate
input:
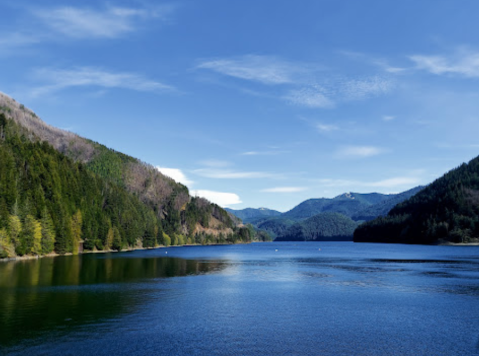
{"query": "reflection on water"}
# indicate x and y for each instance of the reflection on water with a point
(258, 299)
(48, 293)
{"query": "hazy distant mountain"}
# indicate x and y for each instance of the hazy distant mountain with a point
(250, 214)
(357, 206)
(347, 204)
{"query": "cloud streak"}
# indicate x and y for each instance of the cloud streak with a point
(111, 22)
(462, 63)
(58, 79)
(358, 151)
(263, 69)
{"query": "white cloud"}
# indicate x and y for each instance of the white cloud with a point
(284, 190)
(176, 174)
(309, 97)
(264, 69)
(227, 174)
(262, 153)
(58, 79)
(220, 198)
(388, 118)
(88, 23)
(359, 151)
(463, 62)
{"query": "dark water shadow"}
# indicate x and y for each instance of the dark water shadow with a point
(48, 294)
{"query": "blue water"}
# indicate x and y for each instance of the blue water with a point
(311, 298)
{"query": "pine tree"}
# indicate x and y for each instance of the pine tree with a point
(48, 233)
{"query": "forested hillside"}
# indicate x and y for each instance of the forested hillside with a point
(59, 192)
(250, 214)
(445, 211)
(321, 227)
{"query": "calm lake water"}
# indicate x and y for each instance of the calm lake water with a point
(311, 298)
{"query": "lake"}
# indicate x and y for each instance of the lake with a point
(310, 298)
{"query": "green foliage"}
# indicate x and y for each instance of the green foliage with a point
(445, 211)
(48, 233)
(48, 202)
(321, 227)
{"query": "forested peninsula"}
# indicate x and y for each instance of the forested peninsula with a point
(61, 193)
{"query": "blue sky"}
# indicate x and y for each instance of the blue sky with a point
(257, 103)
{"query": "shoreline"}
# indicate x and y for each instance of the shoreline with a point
(54, 254)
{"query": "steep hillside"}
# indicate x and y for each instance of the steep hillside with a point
(81, 193)
(321, 227)
(445, 211)
(249, 214)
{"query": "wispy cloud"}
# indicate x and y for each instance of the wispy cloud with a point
(220, 198)
(374, 61)
(358, 151)
(463, 63)
(284, 190)
(17, 40)
(228, 174)
(263, 69)
(388, 118)
(58, 79)
(358, 89)
(176, 174)
(111, 22)
(311, 97)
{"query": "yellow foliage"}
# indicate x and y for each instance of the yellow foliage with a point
(37, 237)
(166, 239)
(15, 227)
(76, 224)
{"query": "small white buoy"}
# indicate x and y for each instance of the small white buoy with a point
(319, 249)
(166, 252)
(276, 250)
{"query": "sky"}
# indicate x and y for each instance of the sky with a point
(257, 103)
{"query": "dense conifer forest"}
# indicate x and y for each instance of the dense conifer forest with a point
(445, 211)
(321, 227)
(52, 202)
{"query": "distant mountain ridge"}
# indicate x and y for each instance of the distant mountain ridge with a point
(357, 207)
(249, 214)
